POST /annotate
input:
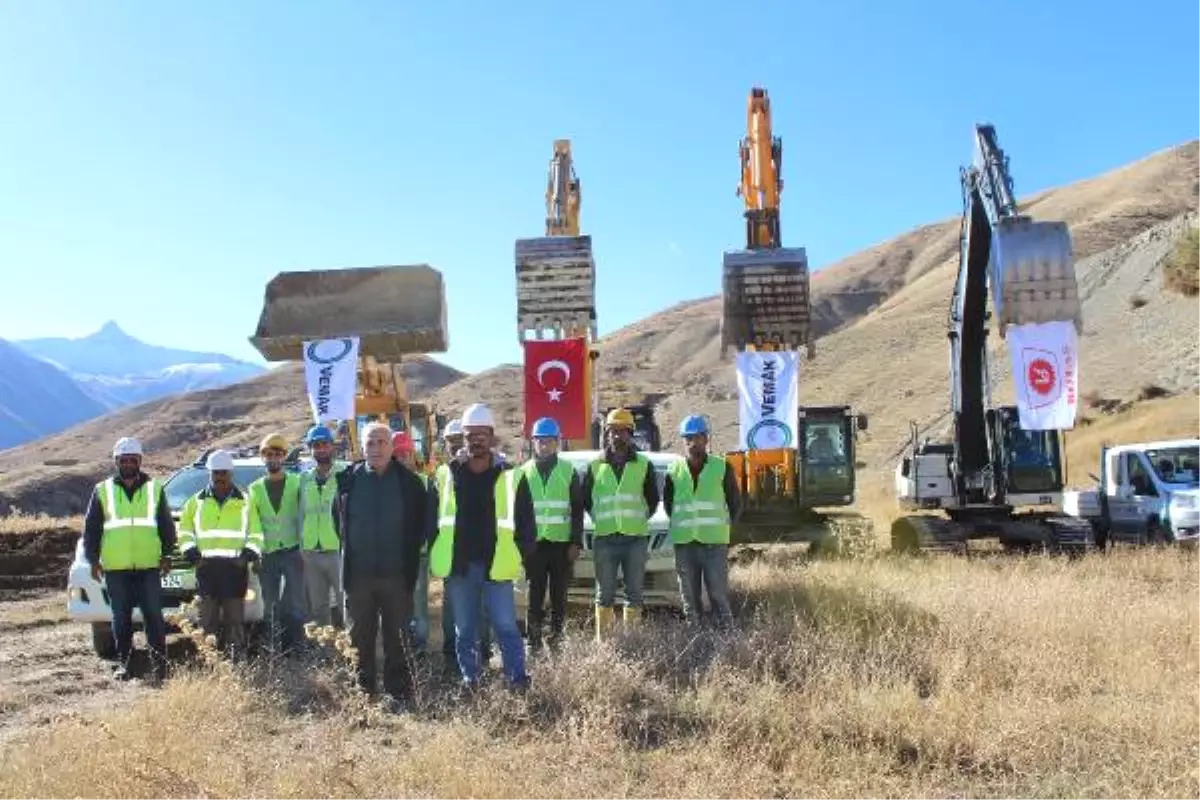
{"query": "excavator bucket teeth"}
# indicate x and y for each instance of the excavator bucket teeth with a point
(556, 286)
(1033, 274)
(395, 311)
(766, 299)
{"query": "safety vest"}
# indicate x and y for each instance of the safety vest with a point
(506, 561)
(699, 513)
(219, 530)
(551, 499)
(620, 507)
(130, 539)
(317, 501)
(280, 529)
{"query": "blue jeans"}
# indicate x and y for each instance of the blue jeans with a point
(627, 554)
(284, 612)
(707, 563)
(141, 588)
(465, 593)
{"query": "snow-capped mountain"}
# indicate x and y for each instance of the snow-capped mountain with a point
(38, 399)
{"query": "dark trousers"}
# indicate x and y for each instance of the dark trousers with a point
(284, 611)
(548, 565)
(375, 604)
(140, 588)
(225, 618)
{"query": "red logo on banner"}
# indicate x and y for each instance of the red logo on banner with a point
(1042, 377)
(556, 385)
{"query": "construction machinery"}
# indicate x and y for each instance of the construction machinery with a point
(395, 311)
(800, 492)
(993, 480)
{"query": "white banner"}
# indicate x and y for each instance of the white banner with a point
(768, 399)
(330, 375)
(1045, 361)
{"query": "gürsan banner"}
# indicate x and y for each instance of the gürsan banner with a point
(1045, 361)
(768, 399)
(330, 367)
(556, 385)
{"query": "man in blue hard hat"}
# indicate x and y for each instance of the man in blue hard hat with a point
(557, 495)
(320, 541)
(701, 497)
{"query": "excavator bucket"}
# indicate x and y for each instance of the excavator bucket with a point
(395, 311)
(1033, 274)
(766, 300)
(556, 286)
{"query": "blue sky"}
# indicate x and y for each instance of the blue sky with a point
(160, 162)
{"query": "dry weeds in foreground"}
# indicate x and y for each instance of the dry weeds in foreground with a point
(933, 677)
(20, 522)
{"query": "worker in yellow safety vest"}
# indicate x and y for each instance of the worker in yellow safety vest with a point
(621, 494)
(221, 537)
(275, 500)
(128, 537)
(320, 539)
(702, 499)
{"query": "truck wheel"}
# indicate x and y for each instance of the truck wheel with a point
(103, 642)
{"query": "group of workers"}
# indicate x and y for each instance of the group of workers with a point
(376, 531)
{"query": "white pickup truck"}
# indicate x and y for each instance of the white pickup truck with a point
(1145, 493)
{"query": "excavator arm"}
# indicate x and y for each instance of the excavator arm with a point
(563, 193)
(761, 185)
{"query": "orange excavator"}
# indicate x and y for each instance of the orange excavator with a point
(767, 308)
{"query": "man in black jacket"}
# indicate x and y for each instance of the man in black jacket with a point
(383, 510)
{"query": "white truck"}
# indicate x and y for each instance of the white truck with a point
(1146, 492)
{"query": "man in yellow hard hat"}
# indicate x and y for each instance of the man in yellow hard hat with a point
(621, 494)
(275, 499)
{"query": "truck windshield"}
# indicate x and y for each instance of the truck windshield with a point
(1176, 464)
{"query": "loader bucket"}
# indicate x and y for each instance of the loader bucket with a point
(766, 299)
(556, 286)
(1033, 274)
(395, 311)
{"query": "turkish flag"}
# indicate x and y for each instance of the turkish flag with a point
(556, 385)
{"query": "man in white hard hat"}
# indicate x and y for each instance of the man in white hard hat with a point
(128, 536)
(221, 535)
(486, 527)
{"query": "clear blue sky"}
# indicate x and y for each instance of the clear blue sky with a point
(159, 162)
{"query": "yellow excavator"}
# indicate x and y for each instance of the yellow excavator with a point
(767, 308)
(395, 311)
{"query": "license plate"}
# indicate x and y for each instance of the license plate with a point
(173, 580)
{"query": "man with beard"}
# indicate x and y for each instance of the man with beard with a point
(275, 501)
(320, 543)
(128, 536)
(701, 496)
(220, 537)
(621, 494)
(486, 527)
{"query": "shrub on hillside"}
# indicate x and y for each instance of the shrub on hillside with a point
(1181, 269)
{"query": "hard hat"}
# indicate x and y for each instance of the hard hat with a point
(318, 433)
(619, 418)
(545, 428)
(220, 460)
(402, 442)
(453, 428)
(692, 425)
(478, 415)
(273, 441)
(127, 446)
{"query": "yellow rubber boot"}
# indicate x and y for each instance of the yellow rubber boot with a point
(633, 616)
(606, 618)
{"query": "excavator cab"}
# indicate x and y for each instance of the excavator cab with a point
(1030, 461)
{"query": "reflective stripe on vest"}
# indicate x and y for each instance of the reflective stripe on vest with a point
(699, 513)
(221, 539)
(130, 539)
(506, 561)
(551, 499)
(317, 500)
(280, 529)
(620, 507)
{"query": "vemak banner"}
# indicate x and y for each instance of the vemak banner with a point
(768, 399)
(330, 373)
(1045, 361)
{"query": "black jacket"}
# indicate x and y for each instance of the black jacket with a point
(93, 523)
(382, 522)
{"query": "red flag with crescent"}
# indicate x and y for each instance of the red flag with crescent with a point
(556, 385)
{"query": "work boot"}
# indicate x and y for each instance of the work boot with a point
(606, 618)
(633, 616)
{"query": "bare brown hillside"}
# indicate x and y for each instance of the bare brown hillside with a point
(54, 474)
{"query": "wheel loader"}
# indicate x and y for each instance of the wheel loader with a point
(395, 311)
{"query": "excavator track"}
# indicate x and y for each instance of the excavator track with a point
(1056, 535)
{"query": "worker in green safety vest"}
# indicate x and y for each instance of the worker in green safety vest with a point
(320, 540)
(275, 500)
(128, 536)
(701, 497)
